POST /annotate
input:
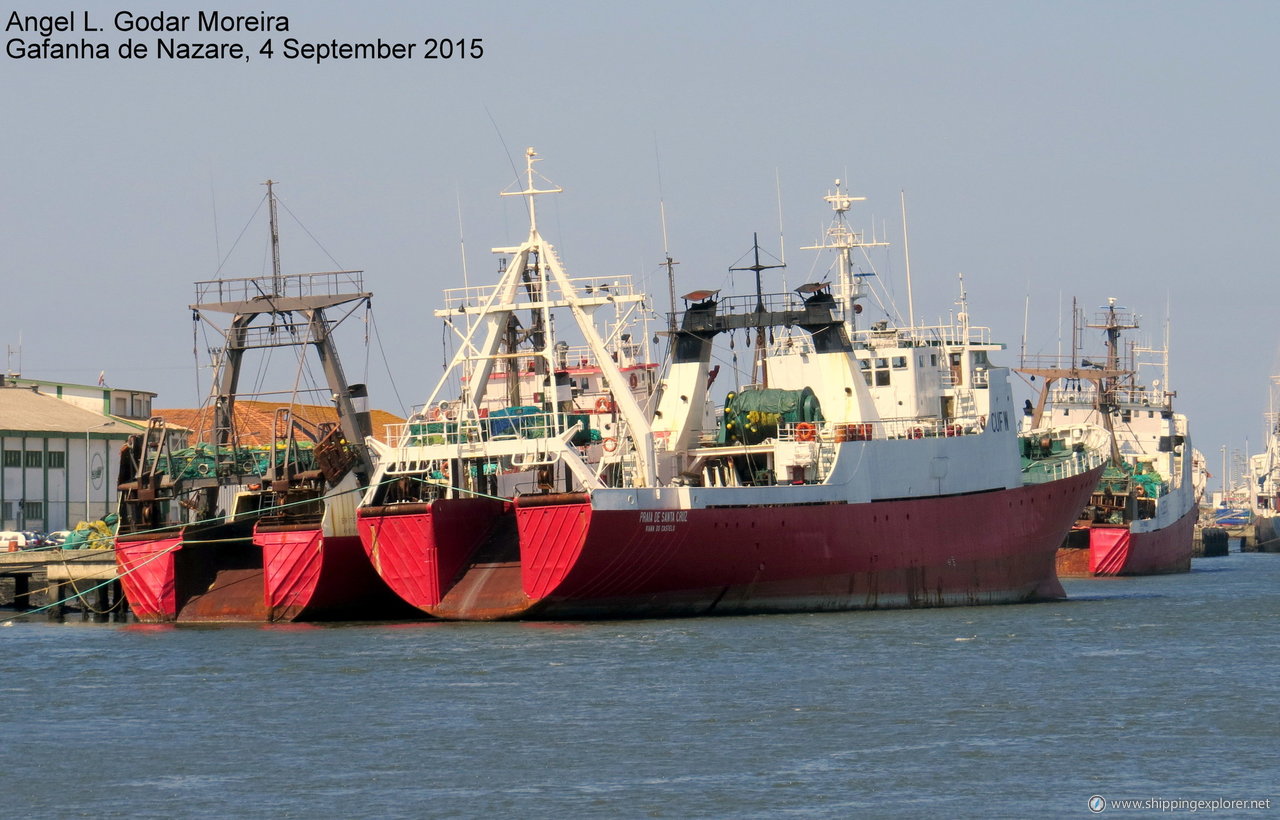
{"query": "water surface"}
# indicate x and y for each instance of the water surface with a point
(1159, 687)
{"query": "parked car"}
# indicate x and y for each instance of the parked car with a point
(12, 540)
(56, 538)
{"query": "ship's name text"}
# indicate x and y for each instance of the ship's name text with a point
(663, 520)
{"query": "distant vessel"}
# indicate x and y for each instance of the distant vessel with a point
(1140, 518)
(1264, 471)
(228, 532)
(859, 469)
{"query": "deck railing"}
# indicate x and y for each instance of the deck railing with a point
(1055, 469)
(329, 283)
(904, 428)
(428, 431)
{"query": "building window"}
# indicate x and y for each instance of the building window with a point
(32, 510)
(34, 458)
(6, 512)
(12, 458)
(57, 460)
(122, 406)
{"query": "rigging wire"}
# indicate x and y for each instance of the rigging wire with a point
(308, 233)
(391, 378)
(235, 244)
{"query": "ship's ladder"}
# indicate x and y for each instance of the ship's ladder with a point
(965, 405)
(826, 459)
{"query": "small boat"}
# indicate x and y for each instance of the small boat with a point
(859, 468)
(1140, 519)
(225, 531)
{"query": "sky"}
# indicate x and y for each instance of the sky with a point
(1045, 150)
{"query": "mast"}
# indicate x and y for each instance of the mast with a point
(296, 320)
(535, 279)
(906, 258)
(671, 273)
(275, 239)
(1108, 377)
(843, 239)
(758, 363)
(671, 292)
(1113, 375)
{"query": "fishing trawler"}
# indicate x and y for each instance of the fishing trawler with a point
(1264, 470)
(1140, 518)
(224, 531)
(860, 468)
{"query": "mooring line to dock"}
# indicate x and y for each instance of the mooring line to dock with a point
(88, 552)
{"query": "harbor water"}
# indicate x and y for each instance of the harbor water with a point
(1156, 688)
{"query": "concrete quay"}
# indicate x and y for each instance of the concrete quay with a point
(64, 575)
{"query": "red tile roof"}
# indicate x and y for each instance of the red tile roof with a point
(255, 420)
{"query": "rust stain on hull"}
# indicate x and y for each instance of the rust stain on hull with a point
(234, 595)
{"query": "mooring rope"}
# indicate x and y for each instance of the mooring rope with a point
(121, 573)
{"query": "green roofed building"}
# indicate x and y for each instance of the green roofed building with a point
(58, 459)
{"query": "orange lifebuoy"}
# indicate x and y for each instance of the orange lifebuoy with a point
(805, 431)
(916, 432)
(603, 405)
(635, 382)
(610, 444)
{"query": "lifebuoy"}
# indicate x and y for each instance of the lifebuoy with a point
(603, 405)
(610, 444)
(434, 415)
(635, 382)
(805, 431)
(916, 432)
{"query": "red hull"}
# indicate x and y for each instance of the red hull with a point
(1117, 551)
(286, 575)
(568, 560)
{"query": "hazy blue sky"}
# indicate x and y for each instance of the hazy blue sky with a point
(1049, 149)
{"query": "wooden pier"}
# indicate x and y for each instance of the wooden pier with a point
(65, 574)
